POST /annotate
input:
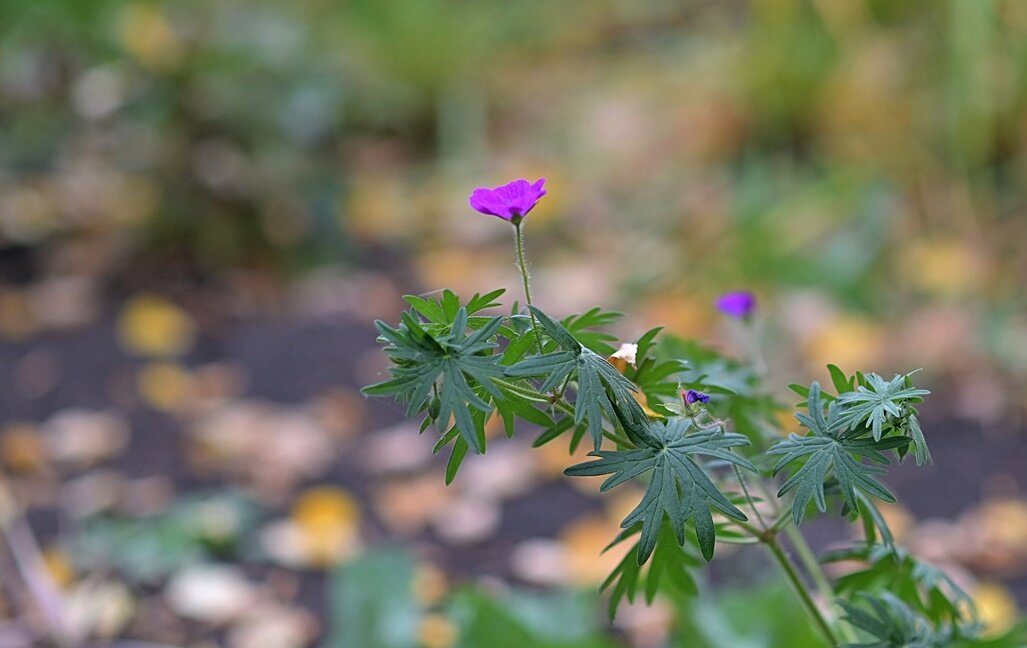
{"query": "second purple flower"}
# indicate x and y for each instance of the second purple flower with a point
(740, 304)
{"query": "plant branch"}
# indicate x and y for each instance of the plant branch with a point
(801, 590)
(809, 561)
(813, 568)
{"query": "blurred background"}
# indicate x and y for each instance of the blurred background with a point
(204, 204)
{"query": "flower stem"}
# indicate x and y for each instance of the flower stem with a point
(800, 589)
(522, 264)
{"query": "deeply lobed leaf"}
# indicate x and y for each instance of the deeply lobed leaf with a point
(679, 489)
(456, 369)
(826, 453)
(599, 386)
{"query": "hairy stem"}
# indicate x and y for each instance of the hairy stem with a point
(801, 590)
(522, 264)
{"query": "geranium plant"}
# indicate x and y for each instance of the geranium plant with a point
(699, 432)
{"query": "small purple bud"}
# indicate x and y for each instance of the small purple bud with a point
(740, 304)
(511, 201)
(693, 396)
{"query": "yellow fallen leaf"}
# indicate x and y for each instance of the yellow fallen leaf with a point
(22, 448)
(430, 585)
(326, 507)
(165, 386)
(145, 31)
(996, 607)
(151, 326)
(436, 631)
(59, 566)
(328, 522)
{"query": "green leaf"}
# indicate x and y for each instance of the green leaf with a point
(891, 622)
(516, 404)
(557, 331)
(826, 452)
(920, 449)
(459, 367)
(841, 383)
(657, 378)
(599, 386)
(873, 405)
(921, 585)
(450, 304)
(518, 619)
(801, 390)
(519, 345)
(553, 432)
(668, 568)
(874, 522)
(455, 459)
(679, 490)
(427, 308)
(481, 302)
(371, 603)
(581, 327)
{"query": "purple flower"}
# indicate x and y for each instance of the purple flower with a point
(511, 201)
(693, 396)
(740, 304)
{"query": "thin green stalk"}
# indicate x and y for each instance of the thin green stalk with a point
(809, 561)
(800, 589)
(783, 521)
(522, 264)
(812, 566)
(748, 497)
(755, 532)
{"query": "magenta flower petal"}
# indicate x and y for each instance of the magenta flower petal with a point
(510, 201)
(740, 304)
